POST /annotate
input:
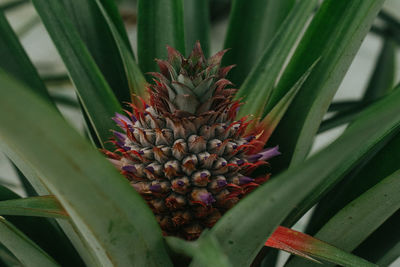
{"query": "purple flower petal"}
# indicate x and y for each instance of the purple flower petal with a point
(129, 168)
(245, 180)
(155, 188)
(221, 183)
(265, 154)
(150, 169)
(206, 198)
(121, 137)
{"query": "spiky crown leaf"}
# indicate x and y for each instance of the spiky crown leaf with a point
(185, 153)
(191, 86)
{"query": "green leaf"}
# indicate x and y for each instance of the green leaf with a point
(259, 84)
(134, 76)
(43, 232)
(263, 210)
(7, 258)
(252, 26)
(42, 206)
(341, 118)
(270, 122)
(114, 220)
(22, 247)
(28, 188)
(197, 25)
(305, 246)
(205, 251)
(97, 98)
(369, 173)
(383, 77)
(15, 61)
(383, 246)
(334, 35)
(343, 105)
(95, 32)
(159, 23)
(355, 222)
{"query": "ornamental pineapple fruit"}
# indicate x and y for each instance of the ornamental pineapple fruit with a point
(184, 151)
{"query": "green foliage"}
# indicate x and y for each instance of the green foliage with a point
(290, 57)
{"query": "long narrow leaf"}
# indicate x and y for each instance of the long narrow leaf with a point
(305, 246)
(22, 247)
(94, 30)
(43, 232)
(259, 84)
(160, 23)
(249, 37)
(136, 80)
(14, 60)
(204, 251)
(334, 35)
(97, 98)
(354, 223)
(383, 246)
(42, 206)
(262, 211)
(197, 25)
(112, 217)
(374, 169)
(382, 79)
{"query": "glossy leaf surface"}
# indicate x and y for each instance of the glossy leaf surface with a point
(27, 252)
(334, 35)
(83, 181)
(95, 94)
(160, 23)
(42, 206)
(281, 196)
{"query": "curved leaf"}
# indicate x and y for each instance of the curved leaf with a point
(42, 206)
(97, 98)
(197, 25)
(159, 23)
(260, 83)
(369, 173)
(44, 233)
(136, 80)
(26, 251)
(334, 35)
(107, 211)
(252, 26)
(305, 246)
(95, 32)
(383, 246)
(263, 210)
(355, 222)
(383, 77)
(15, 61)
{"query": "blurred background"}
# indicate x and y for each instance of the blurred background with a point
(383, 37)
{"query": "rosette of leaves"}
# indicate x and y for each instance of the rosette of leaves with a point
(290, 58)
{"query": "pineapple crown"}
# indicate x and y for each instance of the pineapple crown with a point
(190, 86)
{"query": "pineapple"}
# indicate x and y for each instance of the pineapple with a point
(184, 151)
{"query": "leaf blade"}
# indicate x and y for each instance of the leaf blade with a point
(118, 238)
(159, 24)
(305, 246)
(22, 247)
(41, 206)
(197, 25)
(319, 173)
(335, 34)
(97, 98)
(248, 37)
